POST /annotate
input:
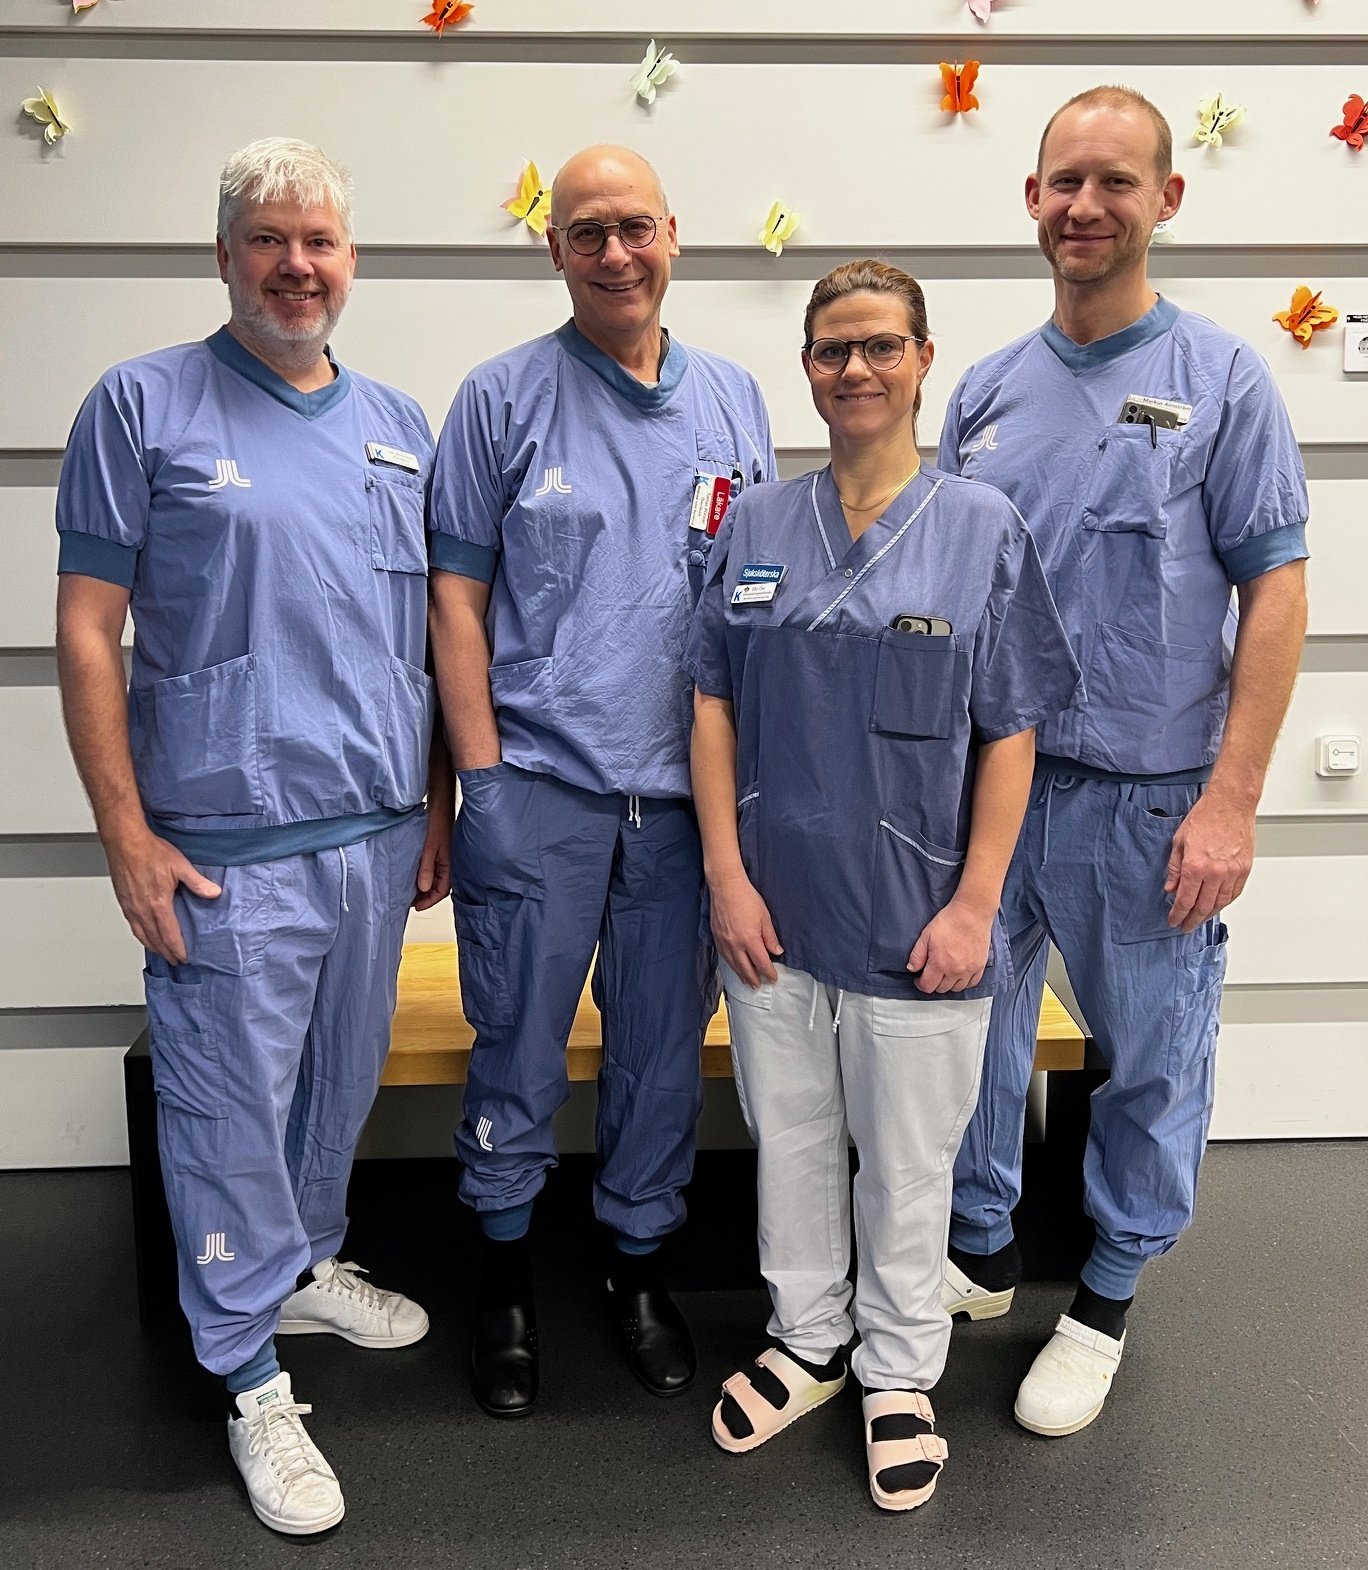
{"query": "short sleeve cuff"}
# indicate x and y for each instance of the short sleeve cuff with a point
(448, 554)
(1264, 552)
(89, 556)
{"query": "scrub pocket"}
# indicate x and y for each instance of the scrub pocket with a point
(1197, 1012)
(748, 829)
(197, 756)
(914, 683)
(481, 937)
(407, 732)
(1176, 690)
(1145, 819)
(1129, 489)
(913, 881)
(395, 501)
(187, 1069)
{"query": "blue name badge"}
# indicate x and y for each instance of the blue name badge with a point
(757, 583)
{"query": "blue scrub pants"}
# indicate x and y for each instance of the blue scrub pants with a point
(267, 1049)
(542, 872)
(1088, 873)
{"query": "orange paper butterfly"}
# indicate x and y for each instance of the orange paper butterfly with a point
(1355, 127)
(446, 13)
(959, 86)
(1306, 316)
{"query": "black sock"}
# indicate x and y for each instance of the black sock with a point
(993, 1272)
(304, 1279)
(506, 1272)
(629, 1273)
(769, 1387)
(1107, 1314)
(910, 1475)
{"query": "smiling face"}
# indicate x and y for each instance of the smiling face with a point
(616, 294)
(1099, 193)
(859, 404)
(289, 270)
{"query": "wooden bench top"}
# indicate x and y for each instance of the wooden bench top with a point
(430, 1043)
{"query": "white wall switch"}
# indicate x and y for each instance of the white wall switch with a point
(1337, 756)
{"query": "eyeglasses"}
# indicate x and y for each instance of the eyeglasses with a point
(586, 237)
(880, 353)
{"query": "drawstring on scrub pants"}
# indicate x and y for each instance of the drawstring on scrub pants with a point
(1064, 782)
(341, 851)
(812, 1013)
(634, 811)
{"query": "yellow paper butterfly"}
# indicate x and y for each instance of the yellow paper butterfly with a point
(45, 111)
(779, 226)
(1306, 316)
(82, 5)
(1214, 118)
(657, 66)
(532, 203)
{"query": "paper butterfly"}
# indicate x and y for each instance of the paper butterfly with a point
(82, 5)
(446, 13)
(982, 9)
(1214, 118)
(45, 111)
(1163, 233)
(657, 66)
(778, 227)
(1306, 316)
(532, 203)
(1355, 127)
(959, 86)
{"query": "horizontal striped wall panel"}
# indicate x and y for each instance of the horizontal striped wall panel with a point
(925, 178)
(1339, 608)
(41, 794)
(62, 1107)
(1292, 1081)
(66, 945)
(1301, 919)
(1160, 22)
(423, 336)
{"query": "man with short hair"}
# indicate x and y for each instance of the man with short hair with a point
(1152, 457)
(578, 483)
(259, 786)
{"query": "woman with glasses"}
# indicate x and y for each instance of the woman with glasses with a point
(874, 647)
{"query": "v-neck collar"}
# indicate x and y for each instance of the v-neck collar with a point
(1088, 356)
(830, 519)
(228, 351)
(648, 399)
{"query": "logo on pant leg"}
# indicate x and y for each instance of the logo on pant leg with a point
(483, 1129)
(215, 1248)
(553, 480)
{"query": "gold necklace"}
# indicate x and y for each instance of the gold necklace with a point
(883, 500)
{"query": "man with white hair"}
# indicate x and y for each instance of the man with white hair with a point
(258, 785)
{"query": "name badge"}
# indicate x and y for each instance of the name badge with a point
(711, 496)
(757, 583)
(395, 457)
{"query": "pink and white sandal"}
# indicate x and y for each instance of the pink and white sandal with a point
(772, 1398)
(907, 1438)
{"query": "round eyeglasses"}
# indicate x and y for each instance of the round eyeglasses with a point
(587, 237)
(880, 353)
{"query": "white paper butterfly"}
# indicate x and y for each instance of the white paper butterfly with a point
(657, 66)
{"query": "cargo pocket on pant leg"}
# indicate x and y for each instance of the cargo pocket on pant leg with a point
(1197, 1011)
(187, 1071)
(481, 938)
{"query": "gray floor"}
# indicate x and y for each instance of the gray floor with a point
(1236, 1435)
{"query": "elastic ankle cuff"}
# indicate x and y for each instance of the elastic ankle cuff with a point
(1112, 1272)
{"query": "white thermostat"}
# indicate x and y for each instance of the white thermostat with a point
(1337, 756)
(1356, 342)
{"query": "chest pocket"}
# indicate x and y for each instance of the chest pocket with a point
(395, 502)
(1131, 481)
(914, 685)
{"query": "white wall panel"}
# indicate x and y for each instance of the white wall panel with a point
(395, 124)
(62, 1107)
(29, 542)
(1292, 1081)
(1325, 703)
(40, 792)
(1337, 573)
(65, 944)
(670, 19)
(391, 327)
(1301, 919)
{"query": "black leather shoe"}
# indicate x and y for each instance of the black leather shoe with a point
(504, 1362)
(655, 1339)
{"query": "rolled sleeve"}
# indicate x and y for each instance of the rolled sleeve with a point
(88, 556)
(448, 554)
(1264, 552)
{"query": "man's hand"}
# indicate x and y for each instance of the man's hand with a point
(434, 869)
(952, 952)
(146, 872)
(743, 930)
(1209, 864)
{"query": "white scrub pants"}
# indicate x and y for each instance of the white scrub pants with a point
(899, 1076)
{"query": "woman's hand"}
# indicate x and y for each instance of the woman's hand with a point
(743, 930)
(952, 952)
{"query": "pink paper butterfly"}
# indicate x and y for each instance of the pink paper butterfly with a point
(982, 9)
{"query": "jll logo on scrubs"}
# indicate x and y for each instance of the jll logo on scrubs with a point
(215, 1248)
(552, 480)
(987, 441)
(227, 474)
(483, 1129)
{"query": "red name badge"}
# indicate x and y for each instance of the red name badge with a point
(717, 503)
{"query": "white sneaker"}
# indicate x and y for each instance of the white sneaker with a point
(291, 1487)
(960, 1295)
(338, 1302)
(1068, 1381)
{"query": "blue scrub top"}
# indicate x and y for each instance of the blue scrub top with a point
(856, 743)
(567, 485)
(277, 573)
(1142, 533)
